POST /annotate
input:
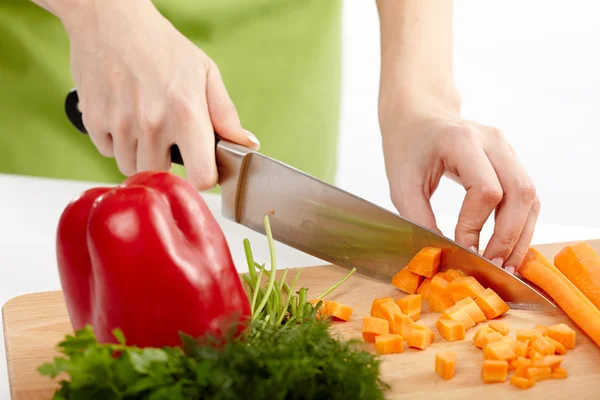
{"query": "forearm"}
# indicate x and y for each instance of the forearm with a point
(416, 50)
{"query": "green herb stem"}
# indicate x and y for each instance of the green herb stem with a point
(271, 282)
(337, 285)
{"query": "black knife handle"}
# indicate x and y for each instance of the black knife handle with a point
(76, 118)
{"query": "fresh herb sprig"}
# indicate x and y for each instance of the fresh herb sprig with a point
(277, 304)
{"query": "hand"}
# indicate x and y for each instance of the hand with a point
(421, 146)
(144, 87)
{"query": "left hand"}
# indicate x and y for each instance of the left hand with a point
(420, 145)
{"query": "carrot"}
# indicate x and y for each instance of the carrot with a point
(425, 262)
(499, 351)
(542, 346)
(563, 334)
(559, 373)
(388, 310)
(339, 311)
(581, 265)
(539, 373)
(389, 343)
(541, 329)
(471, 308)
(579, 308)
(526, 335)
(402, 324)
(411, 306)
(407, 281)
(478, 338)
(559, 348)
(499, 327)
(373, 327)
(445, 364)
(521, 349)
(425, 288)
(491, 337)
(464, 286)
(548, 361)
(450, 330)
(376, 310)
(439, 298)
(521, 362)
(420, 337)
(491, 304)
(494, 371)
(456, 313)
(521, 383)
(453, 274)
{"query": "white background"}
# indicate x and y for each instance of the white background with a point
(531, 68)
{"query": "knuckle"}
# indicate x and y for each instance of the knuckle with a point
(536, 205)
(183, 108)
(491, 195)
(495, 133)
(526, 191)
(509, 239)
(204, 180)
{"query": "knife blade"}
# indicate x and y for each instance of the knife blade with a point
(334, 225)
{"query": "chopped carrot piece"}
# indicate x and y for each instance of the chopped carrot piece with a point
(521, 383)
(439, 299)
(453, 274)
(471, 308)
(491, 337)
(543, 346)
(499, 327)
(339, 311)
(562, 333)
(425, 288)
(402, 324)
(478, 338)
(526, 335)
(541, 329)
(389, 343)
(521, 362)
(580, 263)
(407, 281)
(458, 314)
(411, 306)
(521, 372)
(388, 310)
(465, 287)
(450, 330)
(445, 364)
(498, 351)
(376, 306)
(521, 349)
(374, 327)
(420, 337)
(539, 373)
(535, 355)
(558, 346)
(447, 278)
(548, 361)
(494, 371)
(491, 304)
(559, 373)
(426, 262)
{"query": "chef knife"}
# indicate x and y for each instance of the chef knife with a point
(334, 225)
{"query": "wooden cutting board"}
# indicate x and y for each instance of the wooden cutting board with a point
(35, 323)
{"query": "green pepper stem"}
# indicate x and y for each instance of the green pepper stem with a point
(332, 288)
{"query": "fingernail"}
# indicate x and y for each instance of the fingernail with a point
(252, 138)
(473, 248)
(498, 261)
(510, 269)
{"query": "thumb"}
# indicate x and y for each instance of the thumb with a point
(412, 204)
(223, 115)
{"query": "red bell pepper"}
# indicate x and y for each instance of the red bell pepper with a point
(148, 257)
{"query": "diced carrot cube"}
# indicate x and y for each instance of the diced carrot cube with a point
(388, 310)
(458, 314)
(494, 371)
(491, 304)
(453, 274)
(439, 298)
(543, 346)
(465, 287)
(450, 330)
(500, 327)
(339, 311)
(411, 306)
(491, 337)
(541, 329)
(522, 372)
(376, 310)
(426, 262)
(548, 361)
(425, 288)
(479, 336)
(521, 383)
(498, 351)
(445, 364)
(539, 373)
(559, 373)
(407, 281)
(373, 326)
(402, 324)
(471, 308)
(420, 337)
(389, 343)
(447, 278)
(564, 334)
(558, 346)
(526, 335)
(521, 349)
(521, 362)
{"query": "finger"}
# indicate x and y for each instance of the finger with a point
(196, 142)
(153, 151)
(98, 133)
(126, 154)
(519, 195)
(520, 250)
(484, 193)
(411, 202)
(223, 114)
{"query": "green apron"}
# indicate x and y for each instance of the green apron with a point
(280, 61)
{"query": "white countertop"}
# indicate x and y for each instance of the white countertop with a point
(30, 208)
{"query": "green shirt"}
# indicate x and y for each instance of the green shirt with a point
(280, 61)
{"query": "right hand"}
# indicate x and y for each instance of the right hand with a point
(143, 87)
